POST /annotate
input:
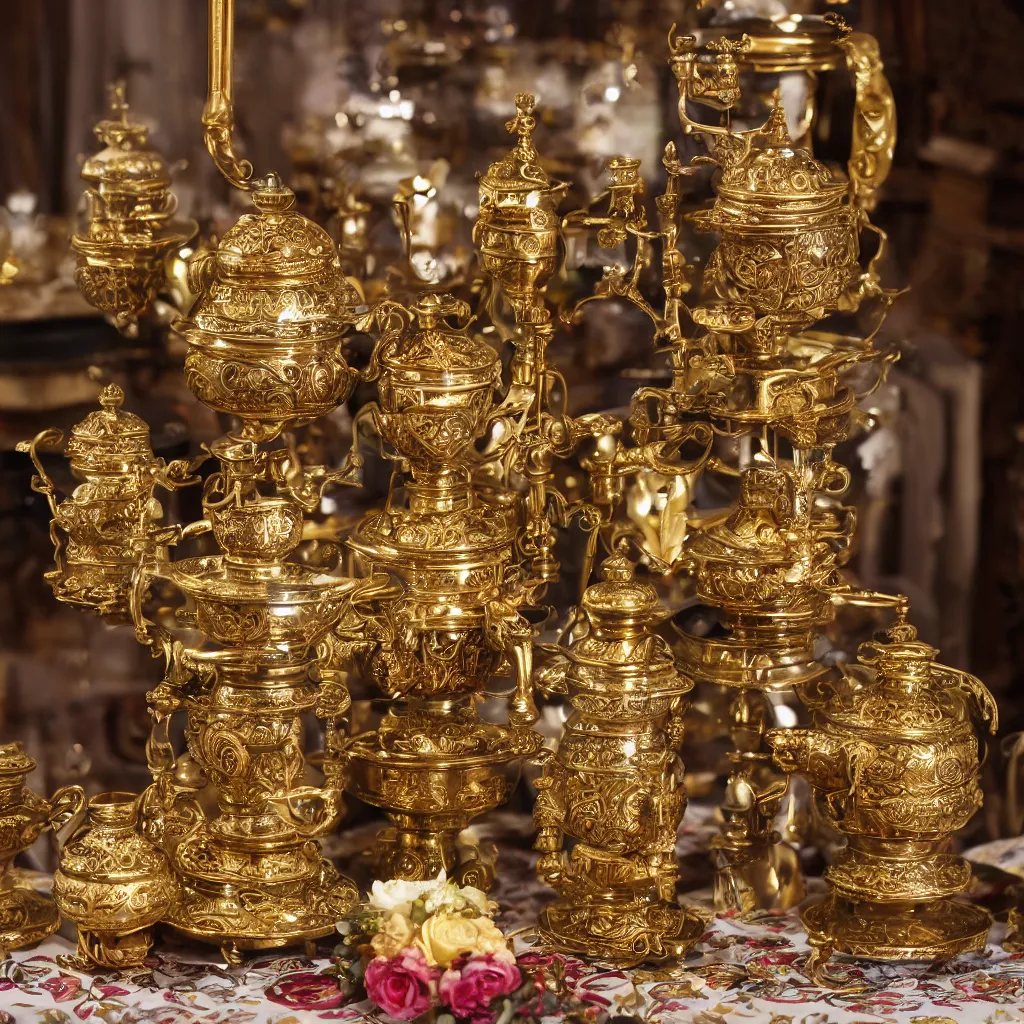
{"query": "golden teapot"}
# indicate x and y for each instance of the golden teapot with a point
(95, 529)
(435, 392)
(893, 762)
(788, 244)
(120, 265)
(265, 336)
(26, 916)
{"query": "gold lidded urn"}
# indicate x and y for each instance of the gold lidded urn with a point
(893, 762)
(265, 336)
(788, 242)
(615, 787)
(113, 883)
(130, 227)
(449, 620)
(94, 530)
(435, 392)
(516, 233)
(26, 916)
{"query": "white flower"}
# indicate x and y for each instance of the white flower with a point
(399, 895)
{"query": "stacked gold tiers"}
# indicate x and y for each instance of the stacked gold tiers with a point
(447, 578)
(434, 645)
(264, 341)
(615, 786)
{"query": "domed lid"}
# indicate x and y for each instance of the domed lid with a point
(620, 602)
(773, 172)
(14, 761)
(898, 656)
(109, 436)
(910, 694)
(509, 180)
(276, 241)
(438, 347)
(126, 160)
(276, 275)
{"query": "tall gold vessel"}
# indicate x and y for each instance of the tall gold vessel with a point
(240, 630)
(893, 760)
(615, 785)
(450, 620)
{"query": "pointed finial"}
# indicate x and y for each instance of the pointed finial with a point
(523, 125)
(117, 97)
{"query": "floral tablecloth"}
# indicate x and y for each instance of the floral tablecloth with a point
(743, 972)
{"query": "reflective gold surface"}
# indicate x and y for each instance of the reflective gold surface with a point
(442, 597)
(130, 226)
(433, 643)
(893, 760)
(615, 786)
(26, 916)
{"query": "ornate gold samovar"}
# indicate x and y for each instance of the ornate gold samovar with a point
(240, 630)
(433, 647)
(749, 362)
(893, 761)
(615, 785)
(130, 230)
(96, 529)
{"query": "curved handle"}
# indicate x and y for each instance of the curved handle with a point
(42, 484)
(219, 113)
(318, 809)
(874, 119)
(65, 804)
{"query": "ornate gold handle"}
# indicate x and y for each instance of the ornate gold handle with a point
(64, 805)
(42, 484)
(219, 114)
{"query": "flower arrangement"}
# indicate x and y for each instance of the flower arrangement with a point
(431, 948)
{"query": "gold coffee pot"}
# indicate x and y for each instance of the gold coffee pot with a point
(130, 206)
(95, 530)
(113, 883)
(26, 916)
(893, 761)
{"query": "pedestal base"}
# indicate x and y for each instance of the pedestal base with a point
(623, 932)
(936, 930)
(26, 917)
(756, 876)
(265, 916)
(417, 855)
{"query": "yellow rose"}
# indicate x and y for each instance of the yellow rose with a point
(393, 937)
(489, 937)
(444, 938)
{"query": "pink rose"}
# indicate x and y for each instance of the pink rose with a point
(402, 986)
(470, 990)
